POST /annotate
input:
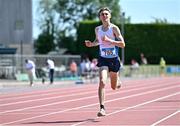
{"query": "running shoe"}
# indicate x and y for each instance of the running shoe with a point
(31, 84)
(101, 112)
(119, 85)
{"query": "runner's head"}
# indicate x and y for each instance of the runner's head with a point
(104, 13)
(103, 9)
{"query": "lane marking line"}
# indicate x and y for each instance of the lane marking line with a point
(165, 118)
(72, 100)
(76, 108)
(61, 96)
(132, 107)
(39, 93)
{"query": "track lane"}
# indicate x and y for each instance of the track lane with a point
(39, 104)
(75, 113)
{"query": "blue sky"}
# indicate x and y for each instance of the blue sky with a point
(140, 11)
(144, 11)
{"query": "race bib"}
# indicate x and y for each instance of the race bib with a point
(108, 52)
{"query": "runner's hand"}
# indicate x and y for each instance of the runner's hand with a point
(106, 39)
(88, 43)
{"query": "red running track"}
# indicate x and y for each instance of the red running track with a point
(145, 102)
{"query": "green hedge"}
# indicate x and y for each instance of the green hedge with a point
(154, 40)
(86, 31)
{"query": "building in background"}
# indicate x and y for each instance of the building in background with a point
(16, 25)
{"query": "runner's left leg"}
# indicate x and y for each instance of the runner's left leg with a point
(115, 80)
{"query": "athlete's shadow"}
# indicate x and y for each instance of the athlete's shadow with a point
(65, 121)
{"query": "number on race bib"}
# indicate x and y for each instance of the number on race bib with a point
(108, 52)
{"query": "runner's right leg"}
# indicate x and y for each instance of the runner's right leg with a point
(103, 75)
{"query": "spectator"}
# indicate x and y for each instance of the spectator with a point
(51, 66)
(82, 67)
(143, 59)
(93, 65)
(134, 66)
(87, 65)
(162, 66)
(73, 68)
(94, 68)
(30, 68)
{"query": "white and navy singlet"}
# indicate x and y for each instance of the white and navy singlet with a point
(107, 50)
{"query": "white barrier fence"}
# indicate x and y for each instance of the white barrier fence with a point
(10, 65)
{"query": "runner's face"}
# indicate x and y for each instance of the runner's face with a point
(105, 16)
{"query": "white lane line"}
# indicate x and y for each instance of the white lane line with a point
(72, 100)
(35, 94)
(132, 107)
(39, 93)
(165, 118)
(40, 99)
(157, 110)
(47, 98)
(80, 107)
(51, 93)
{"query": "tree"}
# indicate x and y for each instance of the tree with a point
(160, 21)
(46, 39)
(63, 17)
(44, 44)
(71, 12)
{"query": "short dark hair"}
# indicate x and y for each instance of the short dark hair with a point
(103, 9)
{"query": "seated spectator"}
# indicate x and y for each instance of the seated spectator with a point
(87, 65)
(73, 68)
(94, 68)
(83, 68)
(134, 66)
(94, 65)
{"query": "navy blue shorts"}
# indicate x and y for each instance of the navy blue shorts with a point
(113, 64)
